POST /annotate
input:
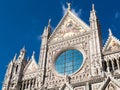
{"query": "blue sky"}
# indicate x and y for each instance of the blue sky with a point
(22, 23)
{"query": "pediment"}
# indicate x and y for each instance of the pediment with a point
(31, 67)
(112, 45)
(110, 84)
(70, 25)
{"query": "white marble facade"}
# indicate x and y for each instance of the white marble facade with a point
(100, 69)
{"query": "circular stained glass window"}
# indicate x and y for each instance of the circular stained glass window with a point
(69, 62)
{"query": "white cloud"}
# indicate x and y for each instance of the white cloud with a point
(78, 13)
(117, 15)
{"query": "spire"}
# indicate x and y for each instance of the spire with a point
(23, 49)
(93, 18)
(93, 13)
(110, 32)
(93, 7)
(11, 62)
(33, 55)
(22, 53)
(69, 6)
(14, 59)
(49, 23)
(45, 31)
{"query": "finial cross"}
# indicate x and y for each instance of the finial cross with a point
(69, 5)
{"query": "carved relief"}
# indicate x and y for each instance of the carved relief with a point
(111, 87)
(96, 86)
(71, 33)
(80, 42)
(66, 88)
(113, 46)
(31, 68)
(68, 28)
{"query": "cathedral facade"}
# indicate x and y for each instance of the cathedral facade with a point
(71, 58)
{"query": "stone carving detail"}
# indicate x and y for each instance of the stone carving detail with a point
(111, 87)
(66, 88)
(67, 29)
(67, 78)
(71, 33)
(96, 86)
(113, 46)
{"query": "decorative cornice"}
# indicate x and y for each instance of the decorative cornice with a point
(92, 80)
(79, 35)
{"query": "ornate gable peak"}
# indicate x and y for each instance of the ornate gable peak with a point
(31, 66)
(69, 6)
(107, 82)
(68, 21)
(112, 44)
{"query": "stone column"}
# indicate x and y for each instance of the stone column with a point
(118, 64)
(33, 83)
(29, 82)
(36, 83)
(26, 84)
(87, 86)
(108, 67)
(113, 66)
(23, 85)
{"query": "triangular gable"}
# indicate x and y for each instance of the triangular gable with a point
(110, 84)
(66, 86)
(31, 67)
(69, 25)
(112, 45)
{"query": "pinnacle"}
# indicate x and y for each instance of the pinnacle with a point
(93, 7)
(45, 28)
(110, 32)
(33, 55)
(49, 22)
(23, 49)
(15, 57)
(69, 6)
